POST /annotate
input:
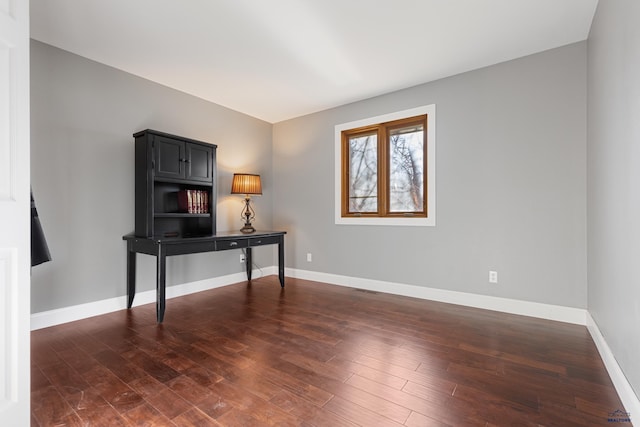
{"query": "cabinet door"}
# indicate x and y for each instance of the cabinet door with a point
(199, 162)
(169, 158)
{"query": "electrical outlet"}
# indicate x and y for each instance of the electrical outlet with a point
(309, 257)
(493, 276)
(242, 259)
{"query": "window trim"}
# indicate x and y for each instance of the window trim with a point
(430, 219)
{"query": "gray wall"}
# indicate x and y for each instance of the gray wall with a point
(82, 117)
(511, 186)
(614, 180)
(511, 183)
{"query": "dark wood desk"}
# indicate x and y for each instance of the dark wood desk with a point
(161, 248)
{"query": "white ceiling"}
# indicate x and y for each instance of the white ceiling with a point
(280, 59)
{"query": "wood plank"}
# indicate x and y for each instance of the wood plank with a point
(375, 403)
(379, 376)
(195, 418)
(358, 414)
(418, 420)
(187, 388)
(441, 382)
(399, 397)
(169, 404)
(146, 415)
(48, 407)
(307, 412)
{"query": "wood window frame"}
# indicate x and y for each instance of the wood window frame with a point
(382, 125)
(383, 131)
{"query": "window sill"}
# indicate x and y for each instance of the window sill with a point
(409, 222)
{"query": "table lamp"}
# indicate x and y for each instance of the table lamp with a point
(247, 184)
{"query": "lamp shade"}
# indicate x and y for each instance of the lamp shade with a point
(244, 183)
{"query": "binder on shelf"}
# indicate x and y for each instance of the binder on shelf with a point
(184, 201)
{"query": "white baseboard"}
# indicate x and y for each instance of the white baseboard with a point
(628, 397)
(82, 311)
(545, 311)
(505, 305)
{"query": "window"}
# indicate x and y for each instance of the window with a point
(385, 169)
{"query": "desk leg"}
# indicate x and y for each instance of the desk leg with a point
(131, 274)
(160, 283)
(248, 263)
(281, 262)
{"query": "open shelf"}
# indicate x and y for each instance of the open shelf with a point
(180, 215)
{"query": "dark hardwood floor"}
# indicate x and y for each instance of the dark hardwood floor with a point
(316, 355)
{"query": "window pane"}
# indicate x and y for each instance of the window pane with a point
(363, 173)
(406, 163)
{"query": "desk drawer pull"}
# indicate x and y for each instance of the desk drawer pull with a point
(233, 243)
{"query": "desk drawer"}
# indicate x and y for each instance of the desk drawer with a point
(223, 245)
(259, 241)
(188, 248)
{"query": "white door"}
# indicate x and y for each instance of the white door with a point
(15, 225)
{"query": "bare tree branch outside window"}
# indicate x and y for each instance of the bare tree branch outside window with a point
(363, 173)
(406, 169)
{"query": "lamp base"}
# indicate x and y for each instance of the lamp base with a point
(248, 215)
(248, 228)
